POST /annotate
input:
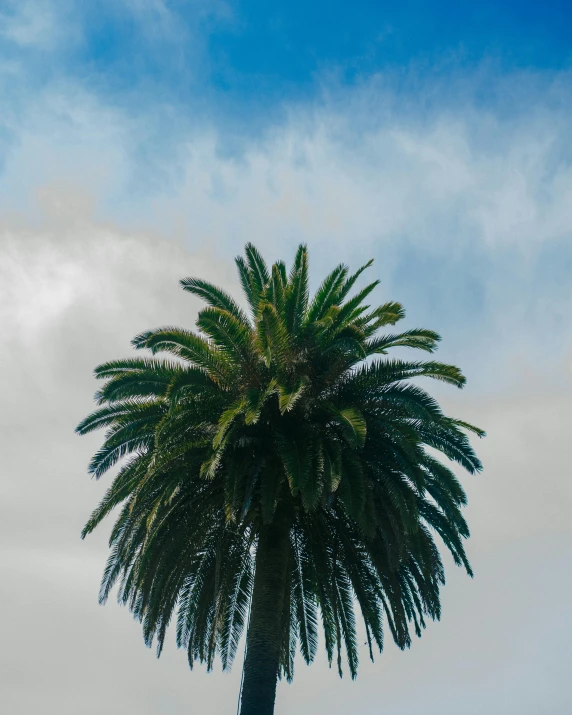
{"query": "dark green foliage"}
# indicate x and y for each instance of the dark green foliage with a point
(279, 411)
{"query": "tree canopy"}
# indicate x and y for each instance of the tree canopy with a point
(278, 449)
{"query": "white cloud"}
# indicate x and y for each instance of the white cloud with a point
(87, 288)
(28, 24)
(37, 24)
(97, 226)
(460, 178)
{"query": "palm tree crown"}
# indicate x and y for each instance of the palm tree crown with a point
(276, 463)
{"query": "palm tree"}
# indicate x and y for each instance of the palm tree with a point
(275, 469)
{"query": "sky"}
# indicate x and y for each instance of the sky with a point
(142, 141)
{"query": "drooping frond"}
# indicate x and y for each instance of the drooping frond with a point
(151, 380)
(417, 338)
(215, 297)
(188, 346)
(292, 414)
(229, 334)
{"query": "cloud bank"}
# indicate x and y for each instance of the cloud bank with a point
(465, 207)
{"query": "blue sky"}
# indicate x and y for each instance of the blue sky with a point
(236, 53)
(149, 80)
(145, 140)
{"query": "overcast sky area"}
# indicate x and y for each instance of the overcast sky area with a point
(142, 141)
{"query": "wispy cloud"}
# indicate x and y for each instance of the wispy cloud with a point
(74, 290)
(29, 24)
(465, 206)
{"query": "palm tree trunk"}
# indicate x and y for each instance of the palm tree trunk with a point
(264, 632)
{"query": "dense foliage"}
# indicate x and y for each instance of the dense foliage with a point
(286, 413)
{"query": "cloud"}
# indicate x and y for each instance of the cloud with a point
(465, 210)
(74, 291)
(29, 24)
(78, 290)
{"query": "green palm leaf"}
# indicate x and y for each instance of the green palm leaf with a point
(272, 473)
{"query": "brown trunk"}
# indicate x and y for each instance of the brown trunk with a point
(264, 632)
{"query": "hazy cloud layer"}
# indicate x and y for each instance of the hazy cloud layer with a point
(466, 209)
(467, 213)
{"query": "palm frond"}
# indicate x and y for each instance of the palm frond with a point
(291, 421)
